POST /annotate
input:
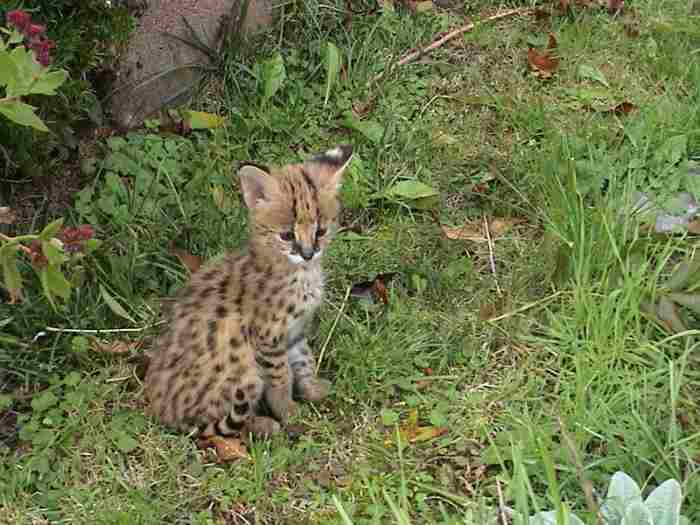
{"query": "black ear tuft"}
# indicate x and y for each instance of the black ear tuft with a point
(336, 157)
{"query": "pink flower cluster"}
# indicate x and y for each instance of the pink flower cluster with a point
(74, 238)
(33, 35)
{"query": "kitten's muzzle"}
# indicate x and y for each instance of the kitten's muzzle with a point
(306, 252)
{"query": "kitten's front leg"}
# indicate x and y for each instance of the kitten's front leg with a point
(307, 385)
(272, 359)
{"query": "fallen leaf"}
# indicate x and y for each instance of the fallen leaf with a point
(375, 288)
(623, 108)
(551, 41)
(227, 448)
(542, 64)
(541, 14)
(7, 215)
(412, 432)
(115, 347)
(487, 311)
(189, 261)
(203, 120)
(474, 231)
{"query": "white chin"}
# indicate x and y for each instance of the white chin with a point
(294, 258)
(298, 259)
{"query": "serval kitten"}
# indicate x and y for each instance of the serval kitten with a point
(237, 332)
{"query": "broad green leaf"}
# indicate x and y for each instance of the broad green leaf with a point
(664, 503)
(51, 229)
(389, 417)
(72, 379)
(125, 442)
(203, 120)
(114, 305)
(673, 150)
(5, 401)
(637, 514)
(592, 73)
(57, 282)
(411, 190)
(273, 75)
(46, 287)
(47, 83)
(11, 278)
(27, 69)
(23, 114)
(53, 253)
(371, 129)
(333, 63)
(44, 401)
(8, 70)
(622, 492)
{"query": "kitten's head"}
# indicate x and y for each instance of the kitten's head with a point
(293, 209)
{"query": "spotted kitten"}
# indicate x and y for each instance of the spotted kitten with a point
(237, 331)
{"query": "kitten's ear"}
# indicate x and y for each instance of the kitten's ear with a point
(257, 184)
(327, 168)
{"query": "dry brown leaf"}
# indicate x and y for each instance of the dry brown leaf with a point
(189, 261)
(623, 108)
(552, 41)
(115, 347)
(542, 64)
(694, 226)
(227, 448)
(411, 432)
(7, 215)
(474, 231)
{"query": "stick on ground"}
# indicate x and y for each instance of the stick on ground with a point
(415, 55)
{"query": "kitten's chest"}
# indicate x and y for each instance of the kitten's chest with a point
(308, 289)
(307, 293)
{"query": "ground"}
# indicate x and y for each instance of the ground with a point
(499, 365)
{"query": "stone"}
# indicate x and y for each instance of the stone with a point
(159, 69)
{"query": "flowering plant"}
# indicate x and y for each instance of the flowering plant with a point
(25, 58)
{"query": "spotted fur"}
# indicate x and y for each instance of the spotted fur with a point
(237, 332)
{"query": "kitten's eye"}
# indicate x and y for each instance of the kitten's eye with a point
(321, 232)
(287, 236)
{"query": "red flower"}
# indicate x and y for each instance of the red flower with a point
(41, 48)
(20, 19)
(34, 30)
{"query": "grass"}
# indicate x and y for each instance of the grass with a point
(573, 354)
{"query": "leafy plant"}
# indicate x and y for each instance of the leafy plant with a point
(624, 506)
(47, 251)
(24, 69)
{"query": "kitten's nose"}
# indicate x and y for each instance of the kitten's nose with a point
(307, 253)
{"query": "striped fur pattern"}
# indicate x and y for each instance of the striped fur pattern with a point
(237, 331)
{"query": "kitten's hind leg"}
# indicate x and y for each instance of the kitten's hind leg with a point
(306, 384)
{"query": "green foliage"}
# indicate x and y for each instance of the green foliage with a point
(47, 251)
(88, 35)
(21, 75)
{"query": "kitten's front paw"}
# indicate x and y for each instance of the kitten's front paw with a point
(279, 401)
(314, 389)
(262, 426)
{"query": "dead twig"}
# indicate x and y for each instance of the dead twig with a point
(492, 259)
(330, 332)
(586, 484)
(501, 504)
(415, 55)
